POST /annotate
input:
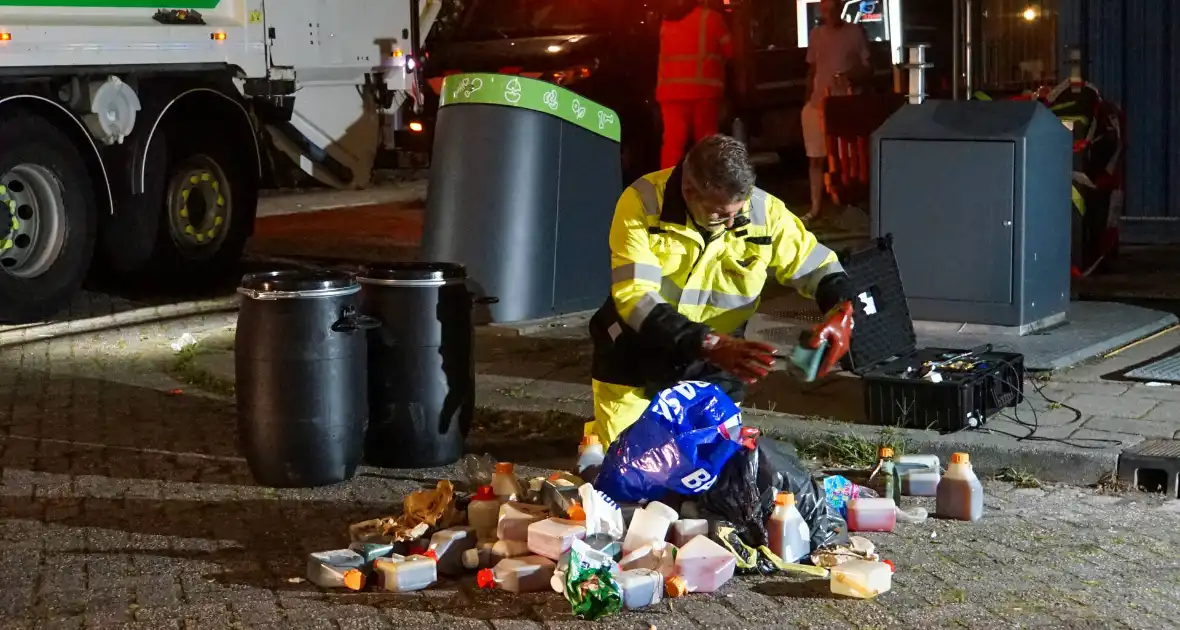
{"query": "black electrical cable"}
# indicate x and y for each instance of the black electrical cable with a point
(1031, 436)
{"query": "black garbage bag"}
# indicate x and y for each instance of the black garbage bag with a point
(781, 471)
(735, 498)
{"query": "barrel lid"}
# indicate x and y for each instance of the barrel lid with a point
(297, 282)
(413, 272)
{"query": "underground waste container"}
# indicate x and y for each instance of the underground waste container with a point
(300, 356)
(524, 178)
(421, 365)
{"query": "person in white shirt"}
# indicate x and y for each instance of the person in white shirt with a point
(837, 58)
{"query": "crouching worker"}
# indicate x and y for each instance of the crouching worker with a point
(691, 249)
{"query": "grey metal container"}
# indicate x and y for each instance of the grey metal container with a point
(977, 197)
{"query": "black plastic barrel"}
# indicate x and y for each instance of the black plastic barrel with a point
(300, 355)
(421, 365)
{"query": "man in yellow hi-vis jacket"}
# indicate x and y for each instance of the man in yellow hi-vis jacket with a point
(691, 249)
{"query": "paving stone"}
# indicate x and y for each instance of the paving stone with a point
(107, 475)
(1165, 412)
(1113, 406)
(1144, 427)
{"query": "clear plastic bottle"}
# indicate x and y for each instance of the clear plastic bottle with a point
(702, 566)
(527, 574)
(861, 579)
(649, 525)
(590, 453)
(960, 495)
(448, 546)
(339, 568)
(641, 588)
(790, 538)
(403, 575)
(505, 485)
(919, 475)
(483, 513)
(552, 537)
(872, 515)
(515, 518)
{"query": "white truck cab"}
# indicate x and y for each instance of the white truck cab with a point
(137, 137)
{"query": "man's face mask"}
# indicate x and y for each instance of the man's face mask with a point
(708, 211)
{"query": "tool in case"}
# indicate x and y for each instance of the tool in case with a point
(942, 389)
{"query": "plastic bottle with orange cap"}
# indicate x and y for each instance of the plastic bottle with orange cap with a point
(960, 494)
(505, 485)
(702, 566)
(790, 538)
(590, 455)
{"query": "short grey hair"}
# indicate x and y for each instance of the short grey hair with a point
(720, 166)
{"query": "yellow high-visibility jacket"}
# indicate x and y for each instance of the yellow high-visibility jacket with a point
(670, 286)
(658, 256)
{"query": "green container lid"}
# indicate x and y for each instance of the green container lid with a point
(514, 91)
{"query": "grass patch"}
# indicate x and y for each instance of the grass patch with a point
(1019, 478)
(954, 595)
(184, 368)
(852, 450)
(503, 424)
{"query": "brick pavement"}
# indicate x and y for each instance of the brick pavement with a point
(124, 504)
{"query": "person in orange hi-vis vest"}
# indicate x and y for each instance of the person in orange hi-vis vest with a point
(694, 47)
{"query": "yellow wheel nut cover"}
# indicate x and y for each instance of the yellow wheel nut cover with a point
(218, 220)
(188, 229)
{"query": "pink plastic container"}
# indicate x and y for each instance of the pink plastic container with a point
(872, 515)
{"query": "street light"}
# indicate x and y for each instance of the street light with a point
(1031, 13)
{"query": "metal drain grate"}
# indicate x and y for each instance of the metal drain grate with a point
(1166, 370)
(1152, 456)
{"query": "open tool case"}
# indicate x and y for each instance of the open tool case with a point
(899, 391)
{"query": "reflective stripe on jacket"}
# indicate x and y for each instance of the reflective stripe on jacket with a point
(692, 57)
(659, 257)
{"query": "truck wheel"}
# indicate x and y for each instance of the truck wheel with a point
(47, 219)
(210, 202)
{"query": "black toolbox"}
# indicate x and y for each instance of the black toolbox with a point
(967, 385)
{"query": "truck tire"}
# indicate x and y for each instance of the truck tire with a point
(48, 219)
(210, 201)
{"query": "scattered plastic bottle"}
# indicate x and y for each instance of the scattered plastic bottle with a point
(505, 485)
(590, 453)
(339, 568)
(502, 549)
(478, 469)
(515, 519)
(552, 537)
(659, 556)
(649, 525)
(686, 529)
(872, 515)
(527, 574)
(479, 558)
(790, 538)
(449, 545)
(887, 470)
(641, 588)
(372, 551)
(702, 566)
(861, 579)
(919, 475)
(398, 574)
(483, 513)
(960, 495)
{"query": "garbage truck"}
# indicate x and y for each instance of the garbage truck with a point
(135, 136)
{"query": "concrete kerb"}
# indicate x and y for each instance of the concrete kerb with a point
(135, 317)
(990, 453)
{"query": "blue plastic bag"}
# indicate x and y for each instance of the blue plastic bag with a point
(679, 444)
